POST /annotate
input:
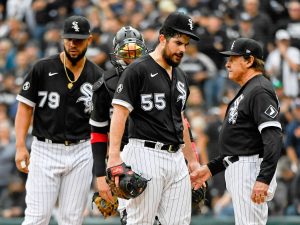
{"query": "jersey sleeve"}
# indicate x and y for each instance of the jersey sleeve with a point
(265, 109)
(127, 89)
(100, 115)
(28, 93)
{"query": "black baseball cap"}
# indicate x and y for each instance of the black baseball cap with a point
(182, 23)
(245, 47)
(76, 27)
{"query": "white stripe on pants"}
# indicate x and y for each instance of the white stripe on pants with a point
(240, 178)
(168, 193)
(58, 173)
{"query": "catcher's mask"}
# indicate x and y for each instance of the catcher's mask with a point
(128, 45)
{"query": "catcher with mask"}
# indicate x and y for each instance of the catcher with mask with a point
(128, 44)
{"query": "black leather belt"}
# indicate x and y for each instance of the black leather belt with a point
(232, 159)
(235, 158)
(168, 148)
(65, 142)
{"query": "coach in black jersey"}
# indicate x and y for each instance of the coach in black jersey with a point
(128, 44)
(57, 93)
(153, 90)
(250, 139)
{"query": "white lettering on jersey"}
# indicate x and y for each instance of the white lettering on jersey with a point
(52, 99)
(157, 100)
(180, 87)
(86, 90)
(271, 111)
(233, 111)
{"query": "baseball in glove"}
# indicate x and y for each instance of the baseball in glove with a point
(131, 184)
(106, 208)
(199, 196)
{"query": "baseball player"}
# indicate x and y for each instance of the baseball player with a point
(57, 93)
(128, 44)
(153, 90)
(250, 139)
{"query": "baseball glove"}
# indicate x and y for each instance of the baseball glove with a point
(131, 184)
(106, 208)
(199, 195)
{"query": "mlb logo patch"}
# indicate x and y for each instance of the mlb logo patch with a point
(271, 111)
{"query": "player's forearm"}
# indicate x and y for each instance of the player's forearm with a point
(117, 128)
(22, 123)
(272, 139)
(189, 150)
(291, 153)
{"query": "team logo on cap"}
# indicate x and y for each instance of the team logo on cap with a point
(191, 24)
(75, 26)
(232, 46)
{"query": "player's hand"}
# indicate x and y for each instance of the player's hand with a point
(104, 190)
(114, 160)
(22, 159)
(199, 176)
(259, 192)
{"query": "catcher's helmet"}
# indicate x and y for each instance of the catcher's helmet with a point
(128, 43)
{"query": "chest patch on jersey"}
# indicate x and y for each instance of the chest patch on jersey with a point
(271, 111)
(86, 90)
(233, 111)
(181, 88)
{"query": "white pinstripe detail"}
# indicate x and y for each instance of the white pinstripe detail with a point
(269, 124)
(240, 177)
(58, 173)
(98, 124)
(122, 103)
(25, 100)
(168, 193)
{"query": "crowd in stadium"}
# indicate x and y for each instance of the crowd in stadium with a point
(30, 30)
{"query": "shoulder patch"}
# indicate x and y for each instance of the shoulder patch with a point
(119, 88)
(98, 84)
(271, 111)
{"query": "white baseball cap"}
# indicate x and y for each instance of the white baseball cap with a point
(282, 35)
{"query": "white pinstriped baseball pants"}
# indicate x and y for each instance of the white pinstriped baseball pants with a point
(168, 193)
(58, 174)
(240, 177)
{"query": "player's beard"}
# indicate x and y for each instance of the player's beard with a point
(169, 59)
(75, 60)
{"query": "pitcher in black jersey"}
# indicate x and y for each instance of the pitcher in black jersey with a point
(57, 93)
(128, 44)
(153, 91)
(250, 139)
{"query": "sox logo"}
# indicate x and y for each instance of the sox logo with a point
(233, 111)
(86, 90)
(75, 26)
(180, 87)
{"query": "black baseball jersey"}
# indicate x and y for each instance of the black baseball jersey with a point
(154, 100)
(60, 113)
(254, 108)
(103, 92)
